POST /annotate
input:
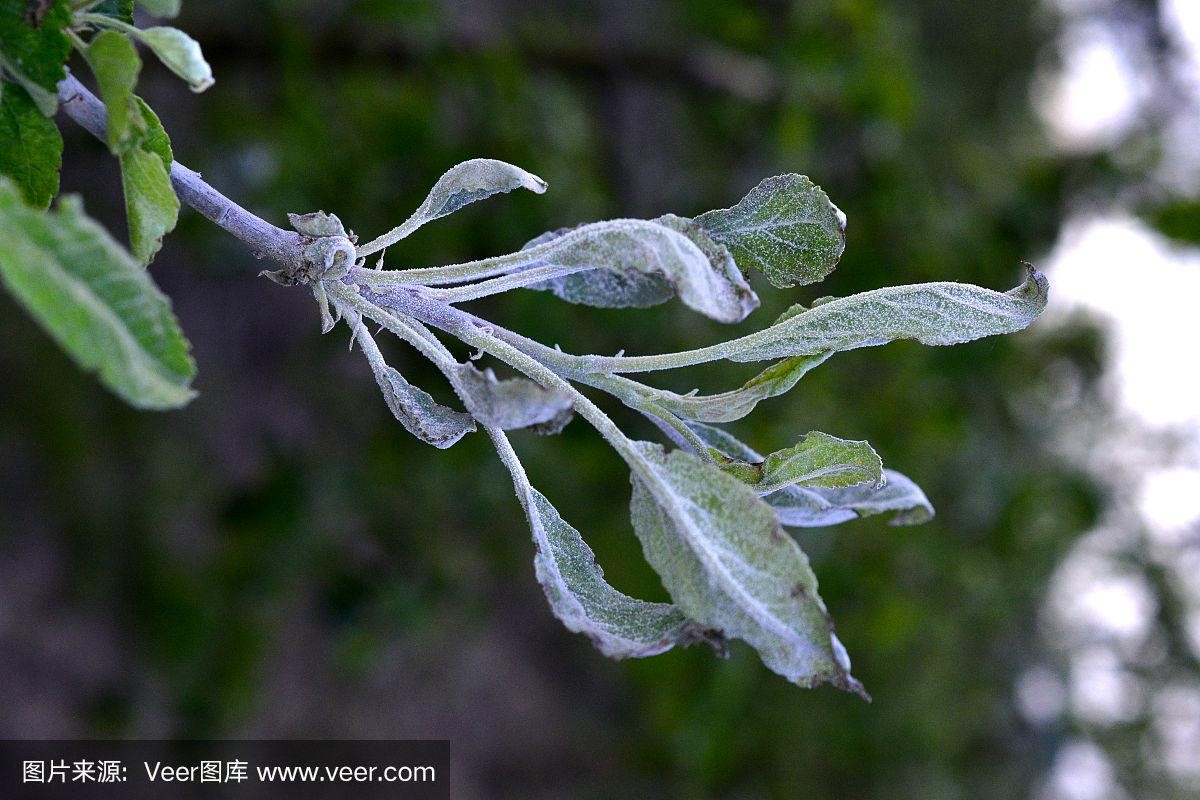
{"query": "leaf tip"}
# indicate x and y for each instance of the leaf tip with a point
(1036, 283)
(840, 216)
(534, 184)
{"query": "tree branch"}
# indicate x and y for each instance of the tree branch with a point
(264, 239)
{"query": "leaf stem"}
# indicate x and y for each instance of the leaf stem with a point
(264, 239)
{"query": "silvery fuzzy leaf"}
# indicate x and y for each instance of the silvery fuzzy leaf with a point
(638, 263)
(618, 625)
(932, 313)
(728, 565)
(318, 224)
(510, 403)
(459, 186)
(808, 507)
(601, 287)
(785, 228)
(419, 413)
(814, 507)
(773, 381)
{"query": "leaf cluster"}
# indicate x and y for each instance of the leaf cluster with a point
(94, 297)
(709, 510)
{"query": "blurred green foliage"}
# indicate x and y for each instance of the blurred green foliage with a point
(280, 559)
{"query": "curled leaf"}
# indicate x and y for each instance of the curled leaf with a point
(115, 63)
(618, 625)
(812, 506)
(161, 8)
(510, 403)
(180, 53)
(729, 566)
(151, 205)
(818, 459)
(932, 313)
(785, 228)
(460, 185)
(599, 287)
(808, 507)
(421, 415)
(639, 263)
(318, 224)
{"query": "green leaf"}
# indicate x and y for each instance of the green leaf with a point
(115, 63)
(812, 507)
(618, 625)
(150, 202)
(30, 146)
(785, 228)
(511, 403)
(34, 47)
(460, 185)
(633, 262)
(818, 459)
(181, 54)
(117, 9)
(95, 300)
(154, 137)
(932, 313)
(161, 8)
(728, 565)
(137, 137)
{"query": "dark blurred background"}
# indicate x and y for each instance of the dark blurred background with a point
(280, 559)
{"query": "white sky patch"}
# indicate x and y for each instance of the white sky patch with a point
(1041, 695)
(1093, 100)
(1170, 503)
(1081, 772)
(1181, 18)
(1101, 606)
(1147, 290)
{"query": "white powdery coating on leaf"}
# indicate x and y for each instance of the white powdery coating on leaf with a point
(510, 403)
(639, 263)
(932, 313)
(461, 185)
(817, 506)
(728, 565)
(785, 228)
(618, 625)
